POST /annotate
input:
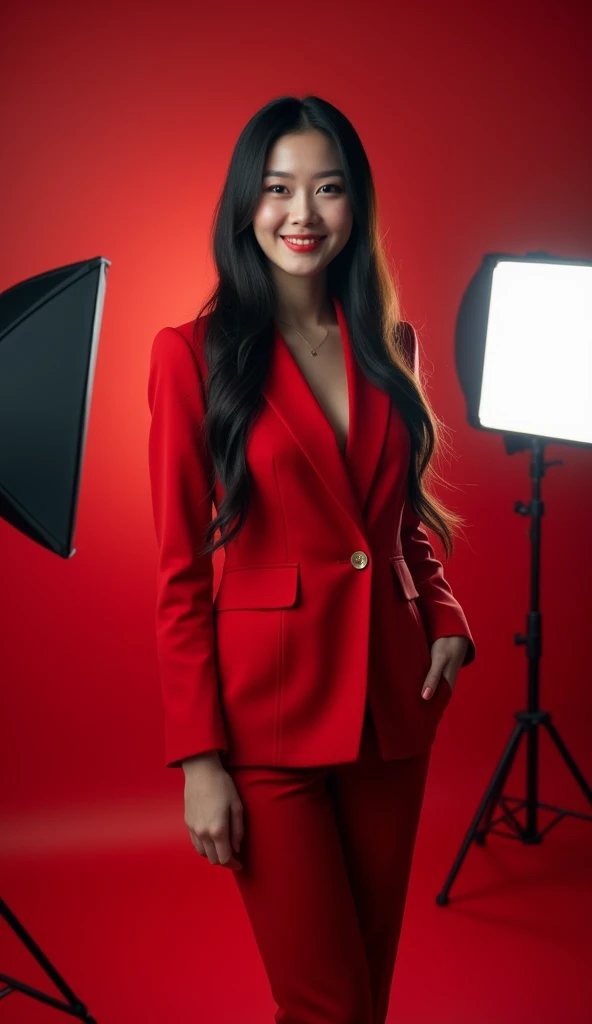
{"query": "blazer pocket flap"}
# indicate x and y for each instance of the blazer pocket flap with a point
(258, 586)
(404, 577)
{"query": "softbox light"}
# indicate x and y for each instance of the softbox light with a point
(524, 347)
(49, 333)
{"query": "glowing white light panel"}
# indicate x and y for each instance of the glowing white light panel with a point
(537, 374)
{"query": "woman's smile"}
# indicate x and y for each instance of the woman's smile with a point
(303, 245)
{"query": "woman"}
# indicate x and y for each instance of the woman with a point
(303, 700)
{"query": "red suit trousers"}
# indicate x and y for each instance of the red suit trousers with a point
(326, 857)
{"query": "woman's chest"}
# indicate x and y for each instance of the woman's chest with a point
(326, 377)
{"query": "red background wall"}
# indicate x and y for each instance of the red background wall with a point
(118, 126)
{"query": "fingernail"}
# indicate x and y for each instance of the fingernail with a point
(426, 693)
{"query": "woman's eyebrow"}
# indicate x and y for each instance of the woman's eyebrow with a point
(333, 173)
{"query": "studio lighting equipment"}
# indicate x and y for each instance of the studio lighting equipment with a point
(524, 361)
(49, 336)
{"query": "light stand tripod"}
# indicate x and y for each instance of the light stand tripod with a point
(74, 1007)
(528, 721)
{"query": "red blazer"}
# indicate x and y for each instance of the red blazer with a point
(329, 595)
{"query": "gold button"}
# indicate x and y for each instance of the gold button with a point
(359, 559)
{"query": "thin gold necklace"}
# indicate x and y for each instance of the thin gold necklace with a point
(313, 351)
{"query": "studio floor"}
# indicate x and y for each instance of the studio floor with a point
(145, 931)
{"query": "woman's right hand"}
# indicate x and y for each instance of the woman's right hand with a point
(213, 810)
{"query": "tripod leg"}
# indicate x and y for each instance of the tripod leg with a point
(495, 795)
(74, 1007)
(494, 787)
(571, 764)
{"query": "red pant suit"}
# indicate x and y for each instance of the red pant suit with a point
(330, 595)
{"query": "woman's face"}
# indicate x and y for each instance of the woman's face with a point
(303, 200)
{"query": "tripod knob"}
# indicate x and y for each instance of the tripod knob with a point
(519, 639)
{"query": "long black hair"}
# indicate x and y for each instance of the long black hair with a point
(240, 314)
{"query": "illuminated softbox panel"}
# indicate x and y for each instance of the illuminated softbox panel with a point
(537, 370)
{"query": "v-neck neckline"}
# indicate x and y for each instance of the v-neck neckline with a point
(341, 324)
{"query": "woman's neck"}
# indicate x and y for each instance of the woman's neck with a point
(304, 317)
(304, 303)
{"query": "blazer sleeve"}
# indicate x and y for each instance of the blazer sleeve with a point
(180, 470)
(440, 611)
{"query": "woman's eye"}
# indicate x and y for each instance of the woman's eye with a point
(331, 185)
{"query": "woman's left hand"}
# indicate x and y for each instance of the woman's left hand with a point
(448, 654)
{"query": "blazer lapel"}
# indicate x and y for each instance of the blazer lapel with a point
(349, 477)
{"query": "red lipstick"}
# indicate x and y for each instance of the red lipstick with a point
(307, 246)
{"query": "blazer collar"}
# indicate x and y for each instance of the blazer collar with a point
(348, 477)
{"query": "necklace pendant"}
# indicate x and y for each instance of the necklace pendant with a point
(313, 352)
